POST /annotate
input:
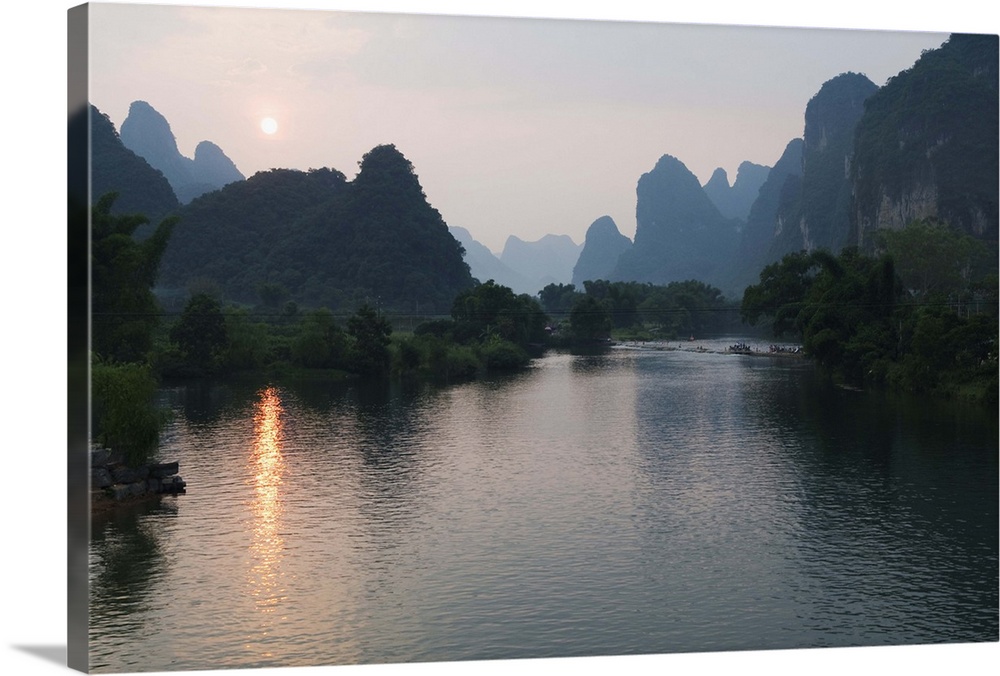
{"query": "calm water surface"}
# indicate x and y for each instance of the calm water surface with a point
(642, 501)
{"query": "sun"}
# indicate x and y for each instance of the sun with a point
(269, 125)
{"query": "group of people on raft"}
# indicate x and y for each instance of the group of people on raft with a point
(744, 348)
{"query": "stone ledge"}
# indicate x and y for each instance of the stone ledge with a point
(115, 482)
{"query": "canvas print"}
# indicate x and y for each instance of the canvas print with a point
(408, 338)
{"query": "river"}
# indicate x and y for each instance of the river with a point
(639, 501)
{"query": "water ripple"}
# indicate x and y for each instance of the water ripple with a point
(632, 503)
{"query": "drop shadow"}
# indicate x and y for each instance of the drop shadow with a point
(50, 653)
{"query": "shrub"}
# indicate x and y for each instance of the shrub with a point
(503, 355)
(125, 418)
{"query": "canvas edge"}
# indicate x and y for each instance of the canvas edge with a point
(78, 338)
(78, 507)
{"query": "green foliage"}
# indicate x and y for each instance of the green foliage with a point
(459, 362)
(321, 241)
(492, 309)
(491, 329)
(678, 308)
(319, 343)
(856, 319)
(590, 320)
(620, 298)
(426, 355)
(934, 260)
(200, 333)
(935, 126)
(125, 418)
(406, 356)
(370, 350)
(248, 344)
(124, 316)
(123, 272)
(503, 355)
(779, 294)
(273, 294)
(687, 308)
(558, 298)
(448, 361)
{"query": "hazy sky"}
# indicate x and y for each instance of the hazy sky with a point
(514, 125)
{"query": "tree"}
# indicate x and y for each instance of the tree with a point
(590, 320)
(371, 332)
(493, 309)
(125, 419)
(934, 259)
(201, 333)
(247, 346)
(558, 298)
(272, 294)
(778, 296)
(320, 343)
(850, 313)
(123, 272)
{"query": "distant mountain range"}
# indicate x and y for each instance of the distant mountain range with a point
(680, 234)
(147, 133)
(923, 146)
(545, 261)
(735, 201)
(525, 267)
(484, 264)
(114, 168)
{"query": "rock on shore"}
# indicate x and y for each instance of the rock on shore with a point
(111, 479)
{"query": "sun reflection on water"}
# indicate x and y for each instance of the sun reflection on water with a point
(267, 465)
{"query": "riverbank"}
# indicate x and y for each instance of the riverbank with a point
(114, 484)
(713, 346)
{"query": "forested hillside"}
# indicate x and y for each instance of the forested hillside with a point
(927, 145)
(485, 265)
(114, 168)
(319, 240)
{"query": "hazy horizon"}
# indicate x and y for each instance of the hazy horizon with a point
(515, 126)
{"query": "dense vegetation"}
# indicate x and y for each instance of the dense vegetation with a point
(921, 316)
(123, 271)
(930, 129)
(114, 168)
(225, 241)
(321, 241)
(639, 310)
(490, 329)
(124, 316)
